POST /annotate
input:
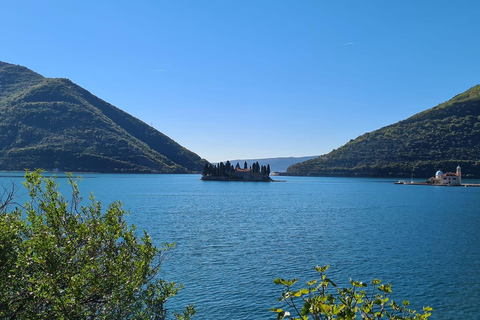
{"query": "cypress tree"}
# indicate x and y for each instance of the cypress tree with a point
(205, 169)
(221, 168)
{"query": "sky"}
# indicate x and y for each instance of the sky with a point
(253, 79)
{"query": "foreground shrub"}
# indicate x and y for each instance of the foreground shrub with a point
(63, 260)
(316, 302)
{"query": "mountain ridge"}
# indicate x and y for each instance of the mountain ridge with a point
(441, 137)
(54, 123)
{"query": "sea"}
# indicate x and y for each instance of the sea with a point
(232, 239)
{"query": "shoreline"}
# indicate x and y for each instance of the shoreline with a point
(412, 183)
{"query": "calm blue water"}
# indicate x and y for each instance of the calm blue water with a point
(234, 238)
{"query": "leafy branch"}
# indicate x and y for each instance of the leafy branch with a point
(316, 301)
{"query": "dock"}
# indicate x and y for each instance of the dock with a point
(449, 179)
(413, 183)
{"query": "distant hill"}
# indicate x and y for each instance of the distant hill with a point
(276, 164)
(55, 124)
(438, 138)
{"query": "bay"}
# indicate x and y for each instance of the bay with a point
(234, 238)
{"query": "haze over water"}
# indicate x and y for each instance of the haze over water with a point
(234, 239)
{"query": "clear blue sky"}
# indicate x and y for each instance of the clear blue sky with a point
(253, 79)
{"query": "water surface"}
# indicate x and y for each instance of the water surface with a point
(234, 238)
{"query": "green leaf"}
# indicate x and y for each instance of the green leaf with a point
(285, 282)
(321, 269)
(303, 291)
(330, 281)
(305, 309)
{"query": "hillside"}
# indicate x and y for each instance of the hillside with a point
(54, 123)
(438, 138)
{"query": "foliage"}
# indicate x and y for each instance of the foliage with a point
(229, 172)
(317, 302)
(63, 260)
(438, 138)
(54, 123)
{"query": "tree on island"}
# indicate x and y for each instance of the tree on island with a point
(63, 260)
(226, 171)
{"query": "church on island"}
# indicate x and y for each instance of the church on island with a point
(449, 178)
(227, 172)
(442, 179)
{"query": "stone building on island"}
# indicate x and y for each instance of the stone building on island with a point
(449, 178)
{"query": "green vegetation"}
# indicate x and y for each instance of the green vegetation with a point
(62, 260)
(317, 302)
(439, 138)
(228, 172)
(55, 124)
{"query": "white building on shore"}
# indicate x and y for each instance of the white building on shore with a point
(449, 178)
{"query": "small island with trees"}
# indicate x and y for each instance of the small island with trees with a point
(228, 172)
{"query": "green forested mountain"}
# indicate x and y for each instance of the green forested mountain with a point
(53, 123)
(439, 138)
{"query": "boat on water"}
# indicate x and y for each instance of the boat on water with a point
(407, 182)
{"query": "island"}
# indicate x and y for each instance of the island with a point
(228, 172)
(442, 179)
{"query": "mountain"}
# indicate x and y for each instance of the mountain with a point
(438, 138)
(55, 124)
(276, 164)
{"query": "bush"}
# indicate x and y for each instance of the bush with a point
(63, 260)
(315, 302)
